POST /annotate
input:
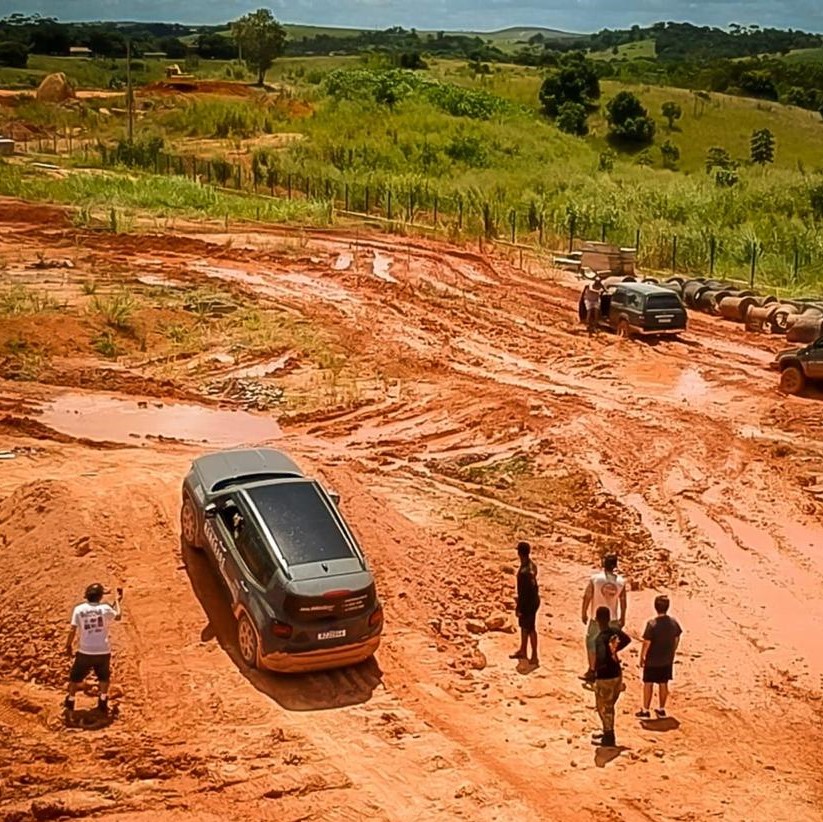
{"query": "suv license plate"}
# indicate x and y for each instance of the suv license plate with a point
(331, 634)
(664, 319)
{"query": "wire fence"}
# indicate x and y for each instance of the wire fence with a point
(458, 216)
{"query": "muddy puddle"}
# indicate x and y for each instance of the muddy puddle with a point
(105, 418)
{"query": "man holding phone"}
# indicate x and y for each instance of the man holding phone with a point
(91, 621)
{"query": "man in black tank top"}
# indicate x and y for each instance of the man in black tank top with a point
(528, 601)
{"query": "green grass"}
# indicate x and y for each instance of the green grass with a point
(642, 49)
(803, 56)
(725, 121)
(97, 193)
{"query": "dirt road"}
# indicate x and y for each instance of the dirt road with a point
(456, 405)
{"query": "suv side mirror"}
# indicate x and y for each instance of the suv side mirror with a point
(210, 511)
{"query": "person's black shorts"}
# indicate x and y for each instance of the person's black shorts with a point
(659, 674)
(527, 620)
(84, 664)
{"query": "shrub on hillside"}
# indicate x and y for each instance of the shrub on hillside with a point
(13, 54)
(629, 122)
(571, 119)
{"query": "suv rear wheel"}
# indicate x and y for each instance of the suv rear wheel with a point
(188, 523)
(624, 330)
(792, 380)
(247, 641)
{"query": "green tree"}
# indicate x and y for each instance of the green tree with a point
(575, 81)
(672, 111)
(571, 118)
(13, 54)
(762, 146)
(261, 39)
(718, 157)
(671, 155)
(629, 122)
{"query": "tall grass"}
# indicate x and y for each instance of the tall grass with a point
(163, 196)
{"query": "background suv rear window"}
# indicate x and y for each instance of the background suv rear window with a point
(300, 522)
(662, 301)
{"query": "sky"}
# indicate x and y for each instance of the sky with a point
(467, 15)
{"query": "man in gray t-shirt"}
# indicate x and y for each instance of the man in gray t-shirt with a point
(660, 641)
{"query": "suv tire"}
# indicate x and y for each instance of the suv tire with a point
(624, 330)
(792, 380)
(188, 523)
(247, 641)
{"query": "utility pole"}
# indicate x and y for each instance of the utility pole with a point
(129, 95)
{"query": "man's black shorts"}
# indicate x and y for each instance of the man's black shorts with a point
(659, 674)
(527, 619)
(84, 664)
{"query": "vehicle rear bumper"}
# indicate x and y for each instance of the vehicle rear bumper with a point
(337, 657)
(657, 332)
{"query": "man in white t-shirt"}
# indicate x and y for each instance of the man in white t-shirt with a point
(605, 589)
(91, 621)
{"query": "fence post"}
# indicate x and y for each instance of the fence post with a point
(288, 184)
(388, 204)
(637, 243)
(308, 187)
(513, 224)
(540, 228)
(603, 233)
(366, 202)
(572, 225)
(460, 212)
(435, 211)
(674, 253)
(712, 253)
(754, 265)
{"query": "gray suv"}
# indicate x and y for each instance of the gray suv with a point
(300, 588)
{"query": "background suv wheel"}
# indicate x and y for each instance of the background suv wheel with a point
(247, 641)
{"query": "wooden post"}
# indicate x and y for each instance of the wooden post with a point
(674, 253)
(755, 249)
(603, 233)
(288, 185)
(435, 211)
(346, 196)
(572, 226)
(712, 253)
(366, 206)
(513, 224)
(388, 204)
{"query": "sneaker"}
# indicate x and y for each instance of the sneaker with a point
(605, 741)
(597, 736)
(589, 676)
(103, 706)
(68, 703)
(644, 714)
(661, 713)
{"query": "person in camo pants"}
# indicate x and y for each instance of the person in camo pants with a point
(608, 672)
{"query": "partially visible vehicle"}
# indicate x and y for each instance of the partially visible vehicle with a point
(173, 72)
(799, 366)
(640, 309)
(300, 588)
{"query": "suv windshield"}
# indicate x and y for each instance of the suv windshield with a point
(663, 301)
(300, 522)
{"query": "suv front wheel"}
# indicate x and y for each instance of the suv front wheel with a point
(792, 380)
(188, 523)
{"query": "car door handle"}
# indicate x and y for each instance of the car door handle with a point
(244, 586)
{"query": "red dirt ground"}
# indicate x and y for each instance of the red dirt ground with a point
(468, 411)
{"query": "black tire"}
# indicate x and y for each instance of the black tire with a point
(792, 380)
(188, 523)
(247, 641)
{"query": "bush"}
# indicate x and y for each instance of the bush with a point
(13, 54)
(671, 155)
(628, 120)
(468, 149)
(571, 119)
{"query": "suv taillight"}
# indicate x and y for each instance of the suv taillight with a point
(376, 617)
(281, 629)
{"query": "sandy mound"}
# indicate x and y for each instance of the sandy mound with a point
(55, 88)
(54, 531)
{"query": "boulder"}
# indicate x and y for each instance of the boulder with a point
(497, 622)
(55, 88)
(474, 626)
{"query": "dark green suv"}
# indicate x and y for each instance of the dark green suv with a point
(642, 309)
(797, 366)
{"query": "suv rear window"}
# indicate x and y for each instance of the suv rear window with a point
(300, 522)
(657, 301)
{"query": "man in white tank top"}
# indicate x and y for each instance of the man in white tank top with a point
(606, 588)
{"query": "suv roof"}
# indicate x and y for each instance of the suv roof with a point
(643, 288)
(252, 464)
